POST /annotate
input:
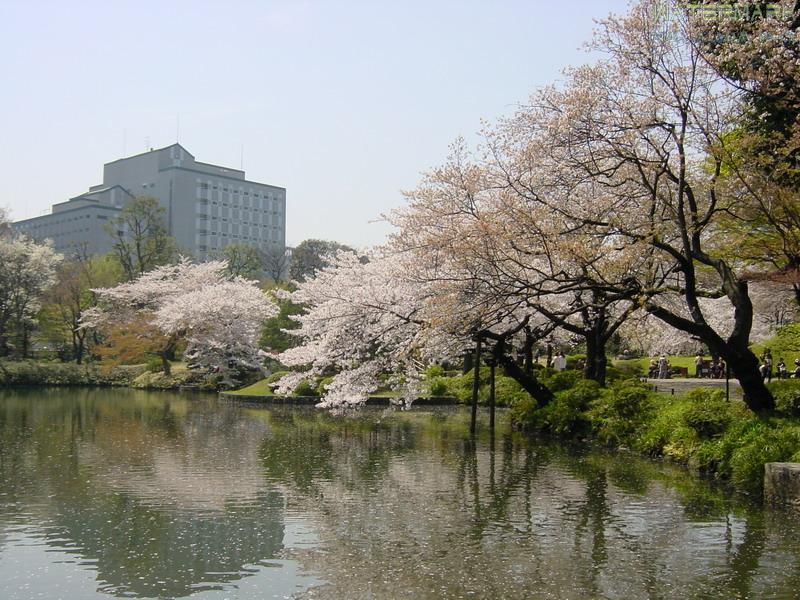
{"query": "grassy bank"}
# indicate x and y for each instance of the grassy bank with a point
(701, 430)
(42, 373)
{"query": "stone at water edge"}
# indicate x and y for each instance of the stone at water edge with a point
(782, 484)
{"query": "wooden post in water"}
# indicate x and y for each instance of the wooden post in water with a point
(491, 394)
(476, 381)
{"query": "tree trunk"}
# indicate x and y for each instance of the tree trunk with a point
(79, 349)
(744, 365)
(476, 380)
(596, 360)
(165, 364)
(527, 351)
(538, 392)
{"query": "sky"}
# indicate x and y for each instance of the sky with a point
(344, 103)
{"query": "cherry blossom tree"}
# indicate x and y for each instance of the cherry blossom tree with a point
(219, 316)
(363, 320)
(648, 124)
(27, 270)
(519, 262)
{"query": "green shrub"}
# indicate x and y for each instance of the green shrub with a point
(625, 371)
(708, 413)
(508, 392)
(787, 396)
(527, 416)
(305, 388)
(438, 386)
(320, 391)
(760, 445)
(276, 376)
(562, 380)
(154, 365)
(565, 414)
(665, 428)
(620, 412)
(576, 361)
(434, 371)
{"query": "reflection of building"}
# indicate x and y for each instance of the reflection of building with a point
(163, 499)
(207, 206)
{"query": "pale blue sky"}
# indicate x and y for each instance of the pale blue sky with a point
(344, 103)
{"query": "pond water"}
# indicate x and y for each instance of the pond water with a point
(121, 493)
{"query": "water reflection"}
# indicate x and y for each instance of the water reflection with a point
(410, 507)
(158, 495)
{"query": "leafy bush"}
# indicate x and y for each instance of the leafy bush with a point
(154, 365)
(576, 361)
(305, 388)
(527, 416)
(565, 415)
(624, 371)
(434, 371)
(320, 391)
(708, 413)
(276, 376)
(760, 445)
(787, 396)
(620, 412)
(24, 373)
(438, 386)
(508, 392)
(562, 380)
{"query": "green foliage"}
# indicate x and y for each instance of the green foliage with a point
(708, 414)
(785, 344)
(273, 336)
(527, 416)
(305, 388)
(438, 386)
(434, 371)
(625, 371)
(761, 444)
(35, 373)
(620, 412)
(312, 255)
(508, 391)
(243, 260)
(787, 396)
(565, 415)
(141, 237)
(276, 376)
(321, 385)
(562, 380)
(154, 364)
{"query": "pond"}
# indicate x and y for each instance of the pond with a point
(122, 493)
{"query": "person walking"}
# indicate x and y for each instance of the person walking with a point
(560, 362)
(698, 366)
(663, 367)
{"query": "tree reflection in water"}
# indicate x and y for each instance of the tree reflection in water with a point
(167, 496)
(156, 492)
(413, 503)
